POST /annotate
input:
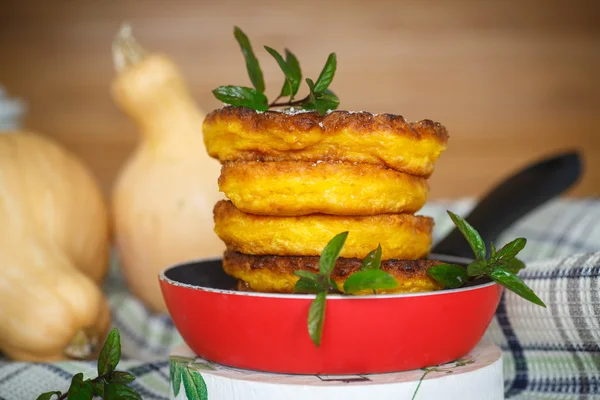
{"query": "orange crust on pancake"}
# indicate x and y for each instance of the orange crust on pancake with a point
(402, 236)
(291, 188)
(239, 133)
(275, 274)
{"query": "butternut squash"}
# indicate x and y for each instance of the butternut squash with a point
(163, 198)
(49, 310)
(54, 248)
(49, 193)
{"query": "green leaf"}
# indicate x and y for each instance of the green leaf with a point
(98, 388)
(372, 260)
(327, 74)
(450, 275)
(472, 236)
(493, 251)
(513, 265)
(311, 103)
(333, 285)
(172, 372)
(80, 389)
(254, 71)
(292, 80)
(194, 385)
(120, 391)
(369, 279)
(478, 267)
(510, 250)
(316, 318)
(177, 375)
(327, 100)
(331, 253)
(320, 101)
(308, 286)
(295, 71)
(513, 283)
(110, 354)
(240, 96)
(48, 395)
(284, 67)
(311, 276)
(121, 377)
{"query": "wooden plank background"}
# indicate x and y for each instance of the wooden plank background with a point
(511, 80)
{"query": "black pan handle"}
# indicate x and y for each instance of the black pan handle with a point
(513, 199)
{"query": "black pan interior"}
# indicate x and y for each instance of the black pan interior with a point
(208, 274)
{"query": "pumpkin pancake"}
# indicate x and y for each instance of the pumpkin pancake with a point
(289, 188)
(402, 236)
(275, 274)
(239, 133)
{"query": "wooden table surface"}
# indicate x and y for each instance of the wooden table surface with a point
(511, 80)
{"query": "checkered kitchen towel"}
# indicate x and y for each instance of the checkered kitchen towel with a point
(551, 353)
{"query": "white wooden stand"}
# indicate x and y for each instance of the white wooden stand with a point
(477, 376)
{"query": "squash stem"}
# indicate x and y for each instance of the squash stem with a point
(81, 346)
(126, 50)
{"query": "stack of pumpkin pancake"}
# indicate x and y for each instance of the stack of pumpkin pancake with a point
(294, 180)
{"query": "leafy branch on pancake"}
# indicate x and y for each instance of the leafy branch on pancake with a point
(370, 277)
(319, 98)
(502, 265)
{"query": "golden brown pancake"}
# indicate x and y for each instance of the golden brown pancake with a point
(402, 236)
(238, 133)
(289, 188)
(275, 274)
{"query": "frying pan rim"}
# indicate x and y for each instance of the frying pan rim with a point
(172, 282)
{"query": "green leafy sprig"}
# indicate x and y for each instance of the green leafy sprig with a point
(182, 371)
(501, 266)
(320, 284)
(369, 277)
(319, 98)
(109, 384)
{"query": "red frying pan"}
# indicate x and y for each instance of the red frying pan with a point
(361, 334)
